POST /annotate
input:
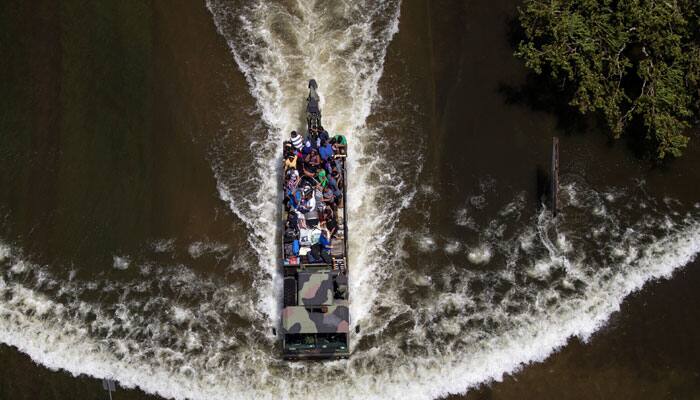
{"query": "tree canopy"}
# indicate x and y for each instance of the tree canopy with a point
(626, 59)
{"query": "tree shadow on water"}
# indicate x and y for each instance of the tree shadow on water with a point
(540, 92)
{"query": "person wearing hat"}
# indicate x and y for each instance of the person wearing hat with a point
(308, 203)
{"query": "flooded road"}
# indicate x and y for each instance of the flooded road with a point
(139, 164)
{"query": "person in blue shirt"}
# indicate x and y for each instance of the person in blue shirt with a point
(323, 135)
(325, 151)
(324, 241)
(325, 249)
(294, 198)
(307, 148)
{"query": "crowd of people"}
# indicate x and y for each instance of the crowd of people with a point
(314, 178)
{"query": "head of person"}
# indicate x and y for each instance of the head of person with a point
(294, 134)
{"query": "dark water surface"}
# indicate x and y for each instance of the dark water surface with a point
(136, 143)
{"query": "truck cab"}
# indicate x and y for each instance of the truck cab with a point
(315, 318)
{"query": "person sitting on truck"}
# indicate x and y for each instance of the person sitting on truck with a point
(297, 141)
(324, 240)
(327, 196)
(287, 148)
(301, 220)
(339, 143)
(309, 170)
(307, 148)
(294, 198)
(323, 135)
(308, 203)
(320, 251)
(331, 226)
(313, 158)
(325, 151)
(333, 184)
(322, 178)
(291, 179)
(338, 178)
(292, 220)
(325, 243)
(290, 162)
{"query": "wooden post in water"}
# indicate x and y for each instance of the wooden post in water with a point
(554, 190)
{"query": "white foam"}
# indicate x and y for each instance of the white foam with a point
(181, 314)
(198, 249)
(121, 262)
(452, 246)
(44, 329)
(426, 243)
(163, 245)
(480, 255)
(5, 252)
(20, 267)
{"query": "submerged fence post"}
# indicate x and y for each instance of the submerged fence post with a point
(108, 385)
(554, 190)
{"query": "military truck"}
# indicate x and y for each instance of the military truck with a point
(315, 314)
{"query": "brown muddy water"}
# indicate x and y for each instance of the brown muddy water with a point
(137, 234)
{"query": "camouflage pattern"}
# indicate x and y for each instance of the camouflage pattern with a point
(341, 282)
(315, 289)
(315, 320)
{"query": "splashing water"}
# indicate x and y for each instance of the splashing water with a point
(439, 313)
(278, 48)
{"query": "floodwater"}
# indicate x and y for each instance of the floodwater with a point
(138, 167)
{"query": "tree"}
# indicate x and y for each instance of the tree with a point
(623, 58)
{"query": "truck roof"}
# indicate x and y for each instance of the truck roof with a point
(323, 319)
(319, 288)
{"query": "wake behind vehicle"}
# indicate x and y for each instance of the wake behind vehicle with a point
(315, 315)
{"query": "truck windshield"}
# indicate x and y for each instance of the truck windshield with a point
(299, 341)
(335, 341)
(331, 340)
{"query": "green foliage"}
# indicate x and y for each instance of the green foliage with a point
(622, 58)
